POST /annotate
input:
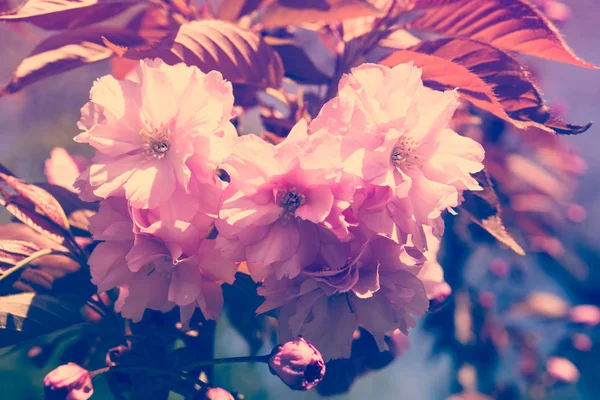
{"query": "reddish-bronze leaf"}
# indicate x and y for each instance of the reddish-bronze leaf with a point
(23, 210)
(56, 273)
(36, 208)
(513, 25)
(67, 14)
(153, 25)
(419, 4)
(65, 51)
(487, 77)
(231, 10)
(43, 202)
(484, 209)
(12, 251)
(77, 211)
(240, 55)
(293, 12)
(443, 74)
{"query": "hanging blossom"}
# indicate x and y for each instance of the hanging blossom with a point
(394, 136)
(158, 265)
(369, 282)
(159, 136)
(163, 127)
(282, 202)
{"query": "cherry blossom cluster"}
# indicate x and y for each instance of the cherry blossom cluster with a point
(339, 223)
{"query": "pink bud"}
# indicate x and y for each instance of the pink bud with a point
(218, 394)
(298, 364)
(562, 369)
(585, 314)
(68, 382)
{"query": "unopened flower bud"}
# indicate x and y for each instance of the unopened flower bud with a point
(68, 382)
(218, 394)
(298, 364)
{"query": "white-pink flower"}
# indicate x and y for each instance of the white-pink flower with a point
(370, 283)
(157, 267)
(147, 128)
(394, 135)
(282, 202)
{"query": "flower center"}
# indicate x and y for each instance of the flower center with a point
(313, 371)
(158, 141)
(289, 200)
(404, 154)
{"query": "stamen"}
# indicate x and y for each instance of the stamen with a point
(404, 154)
(158, 141)
(289, 200)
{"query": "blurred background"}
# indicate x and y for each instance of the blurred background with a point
(44, 116)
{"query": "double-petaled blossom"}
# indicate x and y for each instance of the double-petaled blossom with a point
(394, 136)
(159, 135)
(282, 202)
(158, 265)
(161, 128)
(369, 282)
(333, 221)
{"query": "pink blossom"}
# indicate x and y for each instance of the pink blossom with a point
(62, 169)
(157, 267)
(68, 382)
(585, 314)
(155, 129)
(282, 202)
(432, 274)
(394, 136)
(218, 394)
(369, 283)
(562, 369)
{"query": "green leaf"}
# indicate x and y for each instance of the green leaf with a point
(27, 315)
